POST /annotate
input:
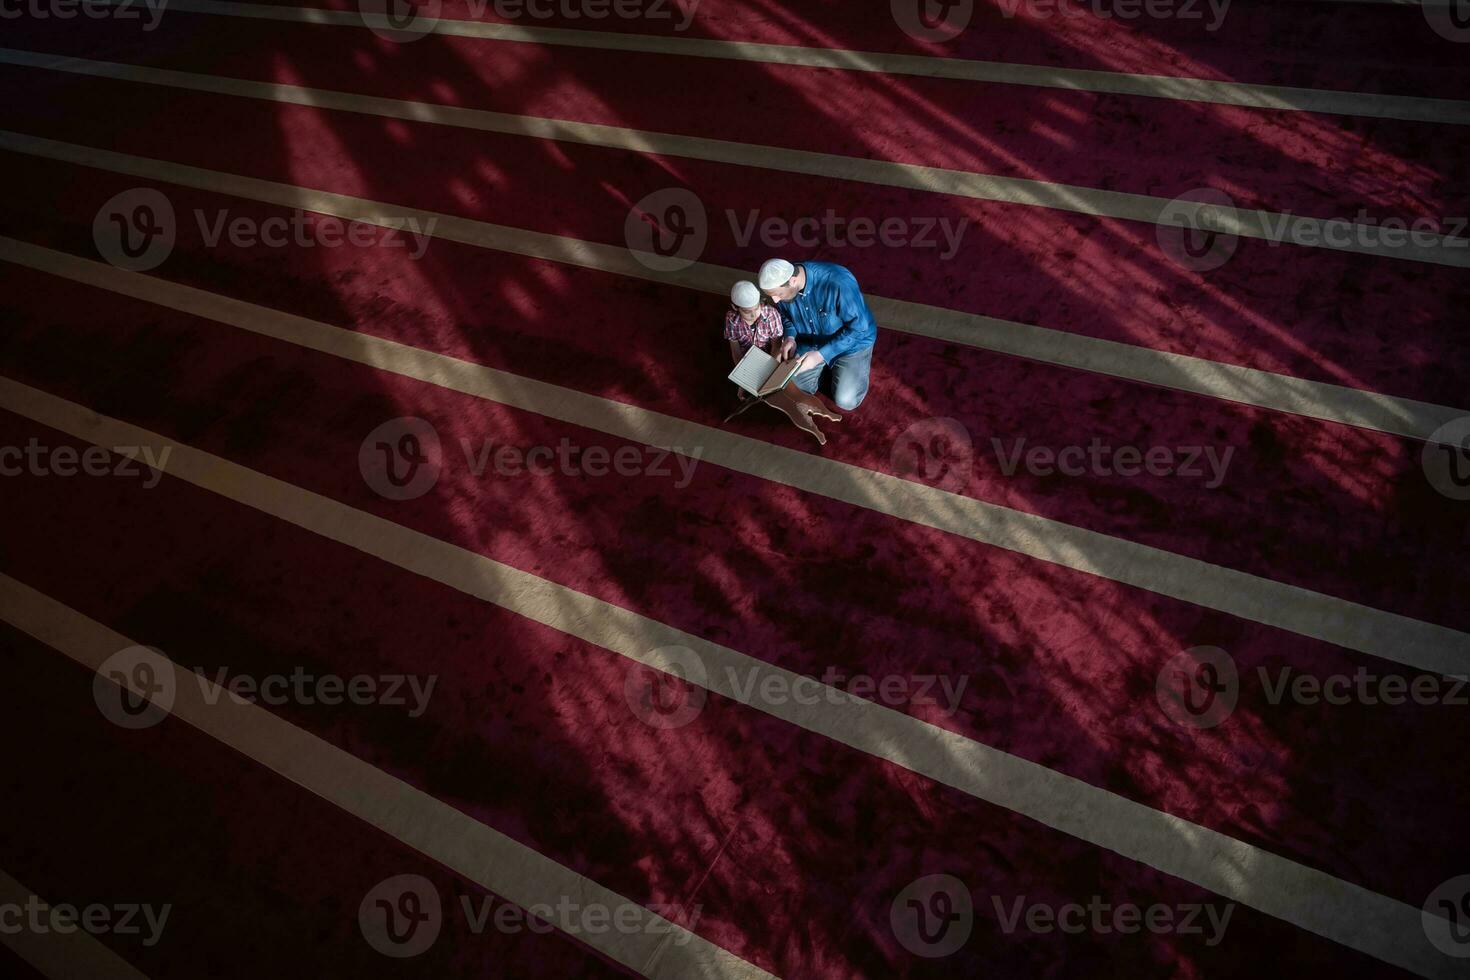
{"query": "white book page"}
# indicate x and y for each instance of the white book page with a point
(753, 370)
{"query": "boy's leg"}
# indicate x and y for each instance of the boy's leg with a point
(850, 378)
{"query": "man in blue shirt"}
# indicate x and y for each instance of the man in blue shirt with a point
(826, 324)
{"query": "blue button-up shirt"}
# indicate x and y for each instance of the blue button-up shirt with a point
(829, 315)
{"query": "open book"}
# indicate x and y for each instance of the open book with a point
(761, 374)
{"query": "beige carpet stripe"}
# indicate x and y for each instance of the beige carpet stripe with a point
(1312, 900)
(1250, 386)
(1413, 643)
(658, 948)
(1172, 87)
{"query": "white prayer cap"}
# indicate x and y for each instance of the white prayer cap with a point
(776, 272)
(745, 295)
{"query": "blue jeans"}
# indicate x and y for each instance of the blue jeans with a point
(846, 377)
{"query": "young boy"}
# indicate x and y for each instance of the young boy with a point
(749, 321)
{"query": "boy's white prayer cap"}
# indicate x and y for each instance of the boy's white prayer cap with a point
(776, 272)
(745, 295)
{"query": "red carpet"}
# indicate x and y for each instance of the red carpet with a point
(779, 847)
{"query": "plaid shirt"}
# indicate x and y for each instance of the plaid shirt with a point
(767, 327)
